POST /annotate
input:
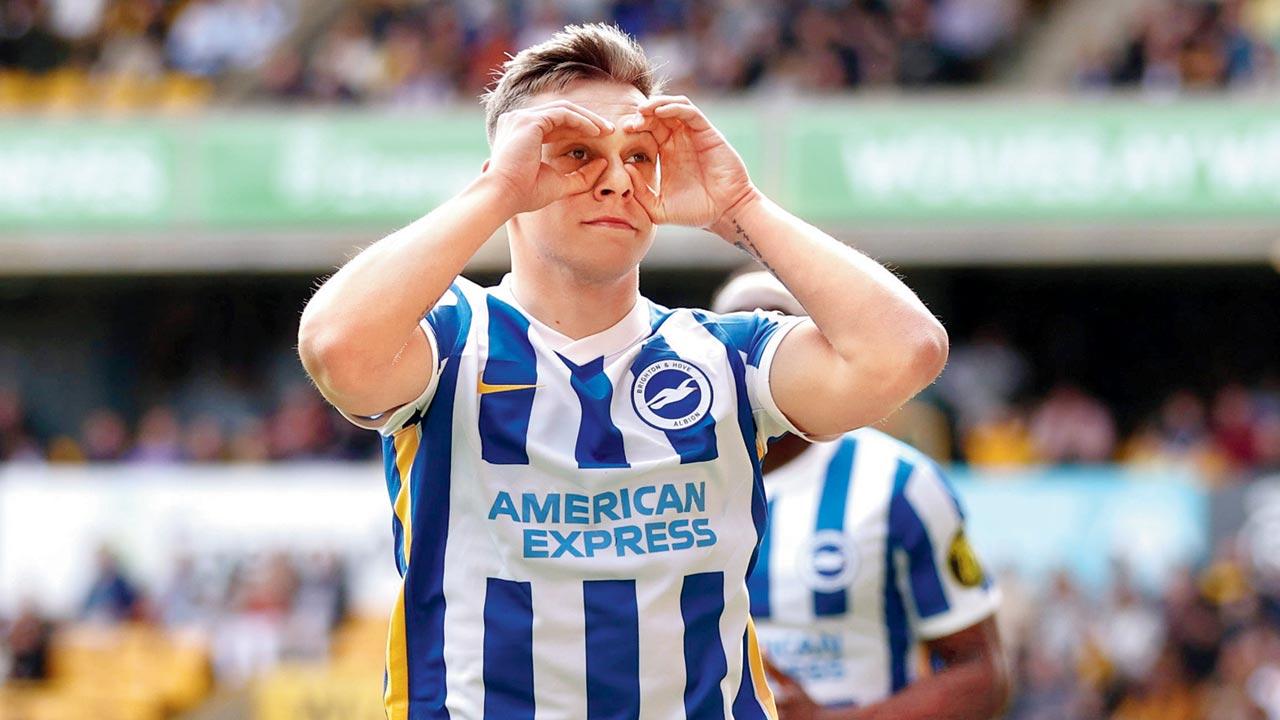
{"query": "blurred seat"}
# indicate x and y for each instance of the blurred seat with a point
(179, 93)
(67, 90)
(129, 672)
(13, 90)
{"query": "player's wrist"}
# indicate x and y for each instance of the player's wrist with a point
(497, 194)
(728, 225)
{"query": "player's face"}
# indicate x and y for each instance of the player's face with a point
(602, 234)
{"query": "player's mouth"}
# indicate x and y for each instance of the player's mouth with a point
(611, 222)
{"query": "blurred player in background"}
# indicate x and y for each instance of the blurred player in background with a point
(568, 461)
(863, 558)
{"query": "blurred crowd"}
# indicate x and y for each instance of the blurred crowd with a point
(982, 411)
(1190, 45)
(141, 37)
(1230, 433)
(426, 52)
(253, 612)
(301, 427)
(412, 53)
(124, 54)
(1206, 647)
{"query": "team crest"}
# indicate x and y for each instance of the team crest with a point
(671, 395)
(829, 561)
(963, 562)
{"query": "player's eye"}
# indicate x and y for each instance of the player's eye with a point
(639, 157)
(578, 153)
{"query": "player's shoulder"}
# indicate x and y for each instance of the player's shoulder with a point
(903, 462)
(917, 480)
(877, 441)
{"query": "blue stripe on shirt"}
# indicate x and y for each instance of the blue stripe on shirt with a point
(701, 606)
(831, 514)
(613, 649)
(746, 425)
(599, 442)
(910, 534)
(424, 606)
(508, 650)
(749, 332)
(758, 581)
(392, 472)
(746, 706)
(504, 412)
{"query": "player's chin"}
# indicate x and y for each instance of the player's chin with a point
(611, 255)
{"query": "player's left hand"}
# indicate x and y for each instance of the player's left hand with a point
(703, 179)
(792, 701)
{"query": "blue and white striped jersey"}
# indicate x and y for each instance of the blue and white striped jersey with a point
(575, 520)
(864, 556)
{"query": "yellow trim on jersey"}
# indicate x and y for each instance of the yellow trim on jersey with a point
(485, 388)
(763, 692)
(406, 444)
(396, 698)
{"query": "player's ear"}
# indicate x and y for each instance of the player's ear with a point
(484, 168)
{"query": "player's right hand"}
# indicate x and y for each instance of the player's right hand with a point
(516, 160)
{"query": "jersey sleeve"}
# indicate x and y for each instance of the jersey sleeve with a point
(756, 336)
(445, 327)
(949, 588)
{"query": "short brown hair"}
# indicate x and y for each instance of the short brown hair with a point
(597, 51)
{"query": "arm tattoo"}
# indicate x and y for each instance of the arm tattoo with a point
(743, 242)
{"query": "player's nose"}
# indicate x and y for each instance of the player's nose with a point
(613, 181)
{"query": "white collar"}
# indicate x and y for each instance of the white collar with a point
(633, 326)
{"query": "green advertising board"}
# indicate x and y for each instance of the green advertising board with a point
(1087, 161)
(906, 163)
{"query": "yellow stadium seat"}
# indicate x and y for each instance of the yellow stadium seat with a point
(67, 90)
(136, 672)
(13, 90)
(181, 93)
(125, 92)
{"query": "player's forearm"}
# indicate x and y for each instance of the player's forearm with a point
(864, 311)
(970, 690)
(361, 317)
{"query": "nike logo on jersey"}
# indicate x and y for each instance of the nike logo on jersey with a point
(485, 388)
(673, 395)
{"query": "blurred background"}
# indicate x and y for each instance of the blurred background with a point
(1087, 192)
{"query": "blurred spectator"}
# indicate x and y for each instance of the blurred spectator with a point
(1178, 437)
(1002, 440)
(301, 428)
(159, 437)
(1162, 694)
(204, 441)
(1188, 44)
(251, 638)
(1070, 426)
(1063, 613)
(16, 440)
(320, 604)
(1130, 630)
(1233, 426)
(104, 436)
(183, 602)
(982, 377)
(111, 597)
(27, 640)
(26, 38)
(250, 443)
(212, 36)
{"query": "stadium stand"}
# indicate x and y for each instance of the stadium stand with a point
(1153, 373)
